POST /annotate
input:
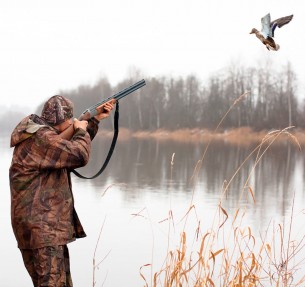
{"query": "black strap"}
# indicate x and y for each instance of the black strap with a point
(115, 136)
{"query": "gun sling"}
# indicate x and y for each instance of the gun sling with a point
(113, 143)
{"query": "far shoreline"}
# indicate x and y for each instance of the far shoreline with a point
(243, 136)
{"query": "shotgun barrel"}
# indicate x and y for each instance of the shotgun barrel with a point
(91, 112)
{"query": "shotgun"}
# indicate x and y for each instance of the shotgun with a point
(92, 111)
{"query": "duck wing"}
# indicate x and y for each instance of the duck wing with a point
(266, 26)
(280, 22)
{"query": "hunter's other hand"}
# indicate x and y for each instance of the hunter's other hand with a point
(80, 124)
(103, 111)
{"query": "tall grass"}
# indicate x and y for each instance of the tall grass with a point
(230, 253)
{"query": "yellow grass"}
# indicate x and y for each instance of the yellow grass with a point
(243, 136)
(228, 254)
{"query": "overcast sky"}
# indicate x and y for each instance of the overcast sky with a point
(47, 46)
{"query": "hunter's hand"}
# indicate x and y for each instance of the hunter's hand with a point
(103, 111)
(80, 124)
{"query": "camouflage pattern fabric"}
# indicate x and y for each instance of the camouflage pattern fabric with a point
(48, 266)
(56, 110)
(42, 205)
(22, 130)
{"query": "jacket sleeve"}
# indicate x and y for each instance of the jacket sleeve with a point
(50, 151)
(92, 127)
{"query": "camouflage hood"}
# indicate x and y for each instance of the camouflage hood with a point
(55, 111)
(26, 128)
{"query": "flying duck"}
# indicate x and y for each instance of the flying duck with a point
(266, 35)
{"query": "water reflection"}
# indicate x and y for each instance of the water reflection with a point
(143, 165)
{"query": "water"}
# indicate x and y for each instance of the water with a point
(140, 202)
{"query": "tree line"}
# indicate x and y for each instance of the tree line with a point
(172, 103)
(177, 103)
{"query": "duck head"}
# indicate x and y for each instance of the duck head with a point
(253, 31)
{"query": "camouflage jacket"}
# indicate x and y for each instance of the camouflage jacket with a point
(42, 206)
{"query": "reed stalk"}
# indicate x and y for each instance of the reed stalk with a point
(229, 254)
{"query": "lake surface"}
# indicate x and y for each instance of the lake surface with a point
(153, 190)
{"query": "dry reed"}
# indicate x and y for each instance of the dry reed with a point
(95, 264)
(228, 253)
